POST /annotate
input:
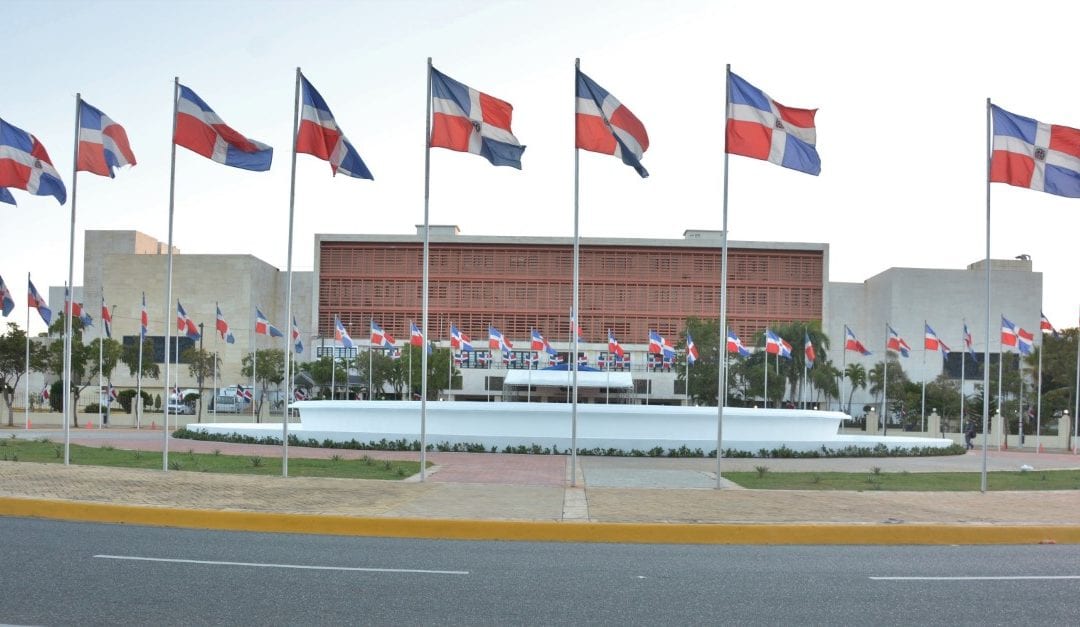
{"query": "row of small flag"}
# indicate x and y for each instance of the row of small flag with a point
(1011, 335)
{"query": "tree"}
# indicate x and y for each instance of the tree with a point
(856, 376)
(703, 386)
(269, 370)
(202, 364)
(824, 378)
(84, 365)
(13, 365)
(899, 387)
(130, 357)
(322, 373)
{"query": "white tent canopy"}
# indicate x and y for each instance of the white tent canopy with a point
(586, 379)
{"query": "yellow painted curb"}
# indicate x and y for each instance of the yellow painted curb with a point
(542, 531)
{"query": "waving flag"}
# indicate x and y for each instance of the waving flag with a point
(300, 394)
(945, 350)
(243, 393)
(656, 342)
(668, 350)
(968, 343)
(320, 136)
(459, 340)
(5, 196)
(495, 338)
(613, 344)
(691, 350)
(575, 328)
(6, 302)
(1025, 341)
(223, 328)
(184, 324)
(416, 338)
(144, 319)
(931, 341)
(75, 309)
(298, 343)
(1032, 154)
(44, 394)
(380, 337)
(201, 131)
(735, 345)
(103, 144)
(772, 343)
(466, 120)
(33, 299)
(24, 164)
(896, 343)
(263, 326)
(340, 334)
(536, 340)
(852, 343)
(106, 318)
(604, 125)
(761, 128)
(808, 352)
(1008, 332)
(1044, 326)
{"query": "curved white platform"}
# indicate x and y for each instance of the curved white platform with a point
(625, 427)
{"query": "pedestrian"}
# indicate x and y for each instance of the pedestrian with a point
(969, 435)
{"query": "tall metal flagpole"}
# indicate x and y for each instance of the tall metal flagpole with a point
(986, 351)
(138, 378)
(575, 312)
(424, 281)
(721, 355)
(843, 370)
(69, 304)
(1001, 364)
(885, 384)
(101, 343)
(923, 424)
(1076, 396)
(963, 362)
(288, 288)
(1038, 396)
(254, 366)
(26, 405)
(169, 272)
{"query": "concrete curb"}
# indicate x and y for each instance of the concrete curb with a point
(542, 531)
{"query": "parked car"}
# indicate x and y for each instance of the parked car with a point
(180, 409)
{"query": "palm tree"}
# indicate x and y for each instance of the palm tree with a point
(856, 376)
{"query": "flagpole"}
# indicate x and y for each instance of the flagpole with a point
(288, 287)
(963, 362)
(101, 343)
(138, 378)
(923, 424)
(370, 360)
(69, 308)
(1001, 364)
(254, 366)
(1076, 395)
(986, 351)
(721, 356)
(885, 385)
(26, 405)
(424, 280)
(575, 312)
(169, 272)
(1019, 403)
(1038, 395)
(843, 373)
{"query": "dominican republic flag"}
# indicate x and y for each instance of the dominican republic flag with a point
(223, 328)
(668, 350)
(656, 342)
(761, 128)
(106, 318)
(1044, 325)
(319, 135)
(7, 303)
(340, 334)
(896, 343)
(103, 144)
(24, 164)
(772, 342)
(76, 310)
(931, 341)
(576, 328)
(945, 350)
(5, 196)
(466, 120)
(537, 341)
(459, 340)
(44, 394)
(735, 345)
(548, 348)
(263, 326)
(380, 337)
(395, 353)
(243, 393)
(808, 352)
(852, 343)
(298, 343)
(482, 358)
(691, 350)
(33, 299)
(300, 394)
(416, 338)
(113, 395)
(144, 319)
(496, 340)
(969, 345)
(184, 324)
(201, 131)
(604, 125)
(1032, 154)
(613, 344)
(1025, 341)
(1008, 332)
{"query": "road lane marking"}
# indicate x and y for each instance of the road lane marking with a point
(974, 578)
(294, 566)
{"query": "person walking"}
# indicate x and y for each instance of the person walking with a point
(969, 436)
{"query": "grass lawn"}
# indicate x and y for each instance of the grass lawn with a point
(43, 451)
(907, 481)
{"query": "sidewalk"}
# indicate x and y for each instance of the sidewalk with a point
(482, 493)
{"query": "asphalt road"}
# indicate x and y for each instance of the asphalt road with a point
(90, 574)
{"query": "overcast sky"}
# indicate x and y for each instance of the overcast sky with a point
(901, 90)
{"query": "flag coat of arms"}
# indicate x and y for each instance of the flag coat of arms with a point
(1032, 154)
(466, 120)
(201, 131)
(25, 164)
(320, 136)
(761, 128)
(103, 144)
(604, 125)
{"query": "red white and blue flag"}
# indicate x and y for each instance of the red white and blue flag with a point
(201, 131)
(613, 344)
(575, 328)
(263, 326)
(735, 345)
(5, 196)
(33, 299)
(416, 338)
(340, 334)
(761, 128)
(243, 393)
(76, 310)
(897, 343)
(223, 328)
(691, 350)
(852, 343)
(969, 345)
(184, 324)
(656, 342)
(103, 144)
(24, 164)
(144, 319)
(668, 350)
(1008, 332)
(1032, 154)
(300, 394)
(930, 341)
(106, 318)
(1044, 325)
(773, 345)
(320, 136)
(378, 336)
(466, 120)
(537, 341)
(6, 302)
(604, 125)
(808, 352)
(1025, 340)
(497, 341)
(459, 340)
(298, 342)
